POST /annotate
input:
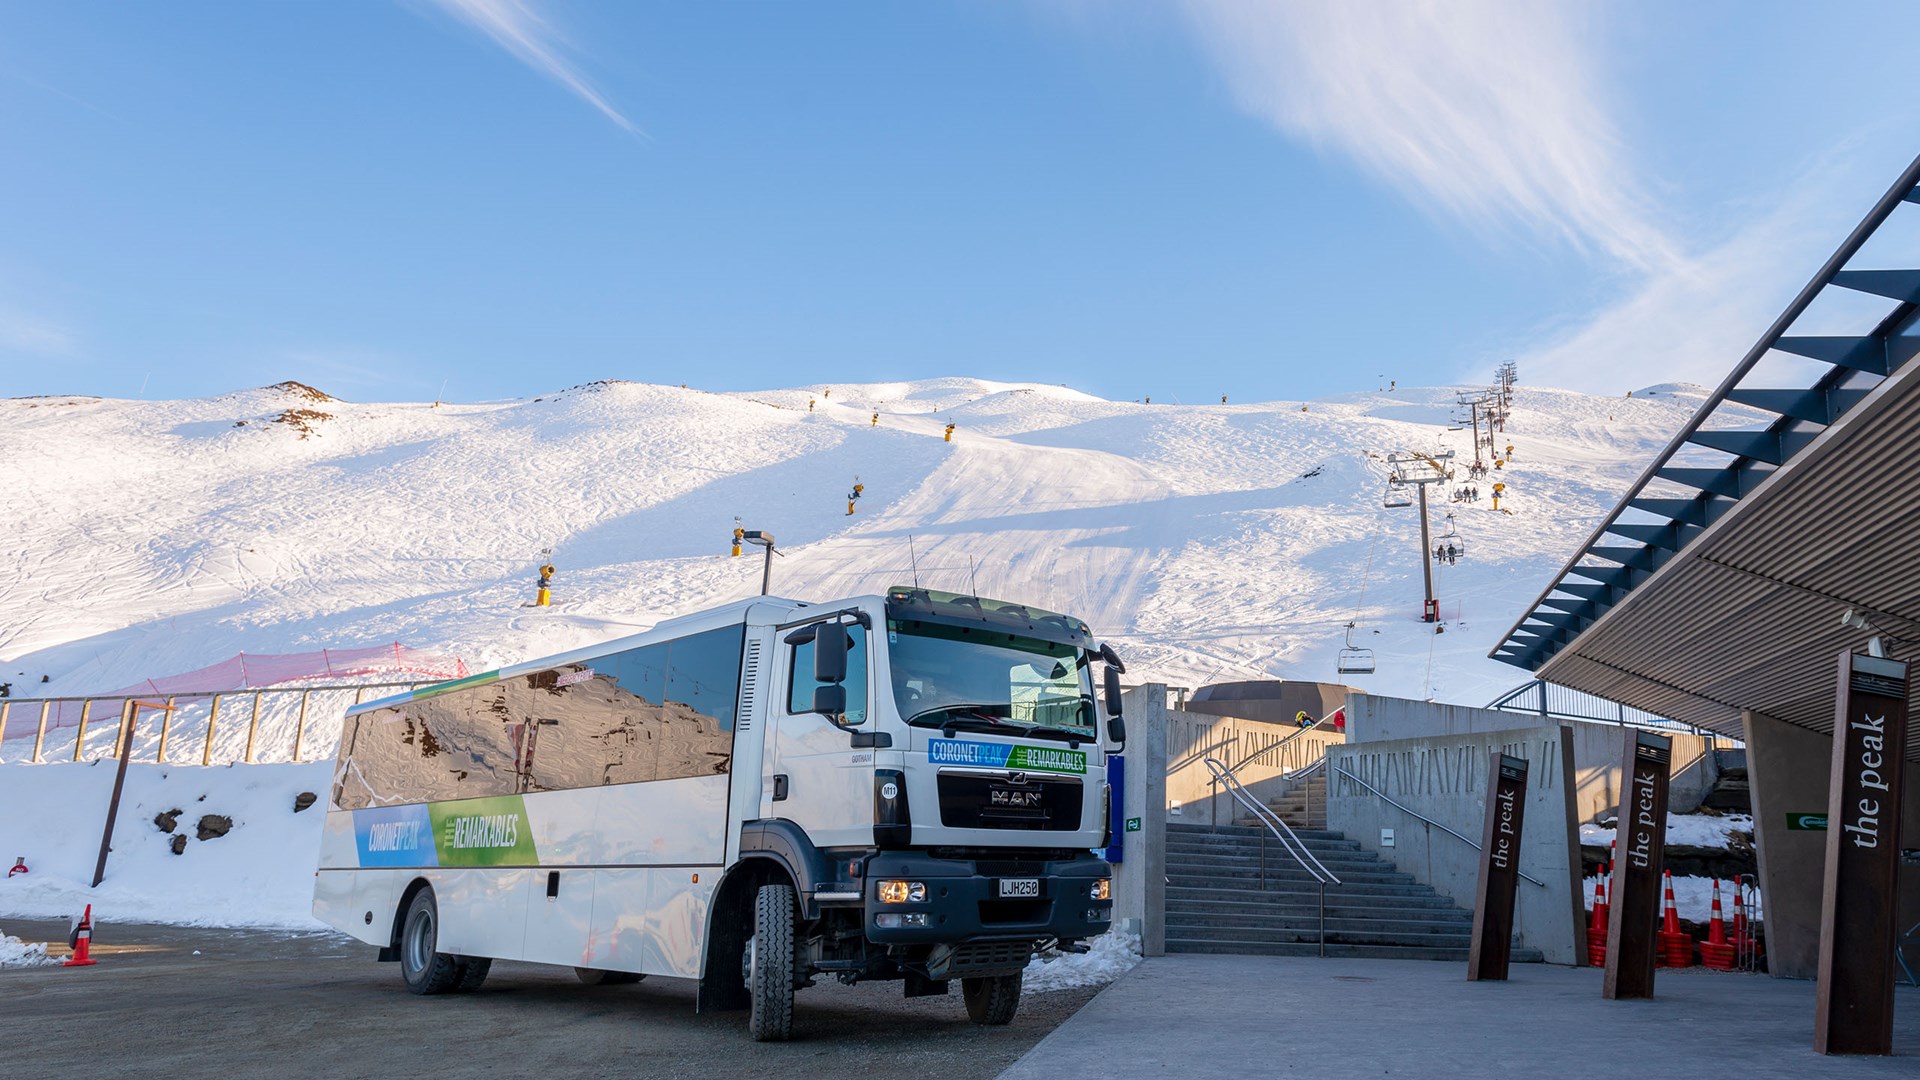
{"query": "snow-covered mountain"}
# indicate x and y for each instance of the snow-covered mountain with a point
(1209, 542)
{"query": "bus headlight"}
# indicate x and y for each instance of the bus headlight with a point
(902, 892)
(1103, 889)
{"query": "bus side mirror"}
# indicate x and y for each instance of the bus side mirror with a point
(830, 655)
(1116, 725)
(830, 699)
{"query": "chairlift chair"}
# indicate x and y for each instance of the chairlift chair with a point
(1354, 660)
(1396, 496)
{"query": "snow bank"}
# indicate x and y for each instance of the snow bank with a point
(1208, 542)
(259, 874)
(1108, 957)
(1693, 898)
(17, 953)
(1684, 830)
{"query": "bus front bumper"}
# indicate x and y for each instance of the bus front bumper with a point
(973, 899)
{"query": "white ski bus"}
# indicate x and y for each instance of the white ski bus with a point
(905, 786)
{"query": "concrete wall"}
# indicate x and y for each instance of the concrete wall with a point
(1788, 768)
(1598, 749)
(1259, 753)
(1140, 880)
(1444, 778)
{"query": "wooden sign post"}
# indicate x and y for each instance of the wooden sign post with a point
(1499, 869)
(1639, 858)
(1853, 1013)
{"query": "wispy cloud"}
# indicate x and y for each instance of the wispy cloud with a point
(518, 27)
(1694, 319)
(1489, 111)
(25, 332)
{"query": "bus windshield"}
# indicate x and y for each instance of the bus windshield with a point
(982, 679)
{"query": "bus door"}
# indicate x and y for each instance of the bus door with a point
(814, 776)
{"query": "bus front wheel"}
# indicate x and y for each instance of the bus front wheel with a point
(426, 969)
(768, 964)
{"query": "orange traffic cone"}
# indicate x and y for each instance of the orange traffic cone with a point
(1597, 926)
(82, 940)
(1676, 947)
(1715, 952)
(1669, 911)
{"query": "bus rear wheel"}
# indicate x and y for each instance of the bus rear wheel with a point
(991, 999)
(426, 969)
(768, 965)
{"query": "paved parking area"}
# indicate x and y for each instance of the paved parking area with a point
(1245, 1016)
(182, 1002)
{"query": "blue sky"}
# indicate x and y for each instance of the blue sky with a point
(1177, 200)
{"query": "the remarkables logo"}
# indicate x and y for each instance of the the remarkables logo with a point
(484, 832)
(491, 831)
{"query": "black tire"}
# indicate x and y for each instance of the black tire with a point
(425, 969)
(768, 965)
(473, 972)
(603, 977)
(992, 999)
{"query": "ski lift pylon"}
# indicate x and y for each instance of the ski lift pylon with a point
(1354, 660)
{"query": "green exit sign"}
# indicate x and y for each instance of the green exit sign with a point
(1807, 821)
(1133, 824)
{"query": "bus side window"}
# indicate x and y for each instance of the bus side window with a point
(800, 682)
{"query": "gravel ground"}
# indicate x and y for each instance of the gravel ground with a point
(185, 1002)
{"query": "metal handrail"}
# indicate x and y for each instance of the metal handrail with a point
(1422, 817)
(1270, 748)
(1289, 841)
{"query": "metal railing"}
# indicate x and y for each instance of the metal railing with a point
(201, 720)
(1289, 842)
(1418, 816)
(1555, 702)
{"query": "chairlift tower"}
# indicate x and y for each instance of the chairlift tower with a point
(1407, 468)
(1477, 406)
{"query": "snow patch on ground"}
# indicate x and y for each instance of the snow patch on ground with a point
(1108, 957)
(1693, 898)
(258, 874)
(1684, 830)
(17, 953)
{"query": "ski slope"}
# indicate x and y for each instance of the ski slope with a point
(1208, 542)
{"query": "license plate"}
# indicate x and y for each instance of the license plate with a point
(1023, 886)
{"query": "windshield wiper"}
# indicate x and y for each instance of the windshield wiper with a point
(976, 708)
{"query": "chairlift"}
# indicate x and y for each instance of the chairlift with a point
(1354, 660)
(1396, 495)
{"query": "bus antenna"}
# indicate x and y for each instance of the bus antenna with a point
(914, 560)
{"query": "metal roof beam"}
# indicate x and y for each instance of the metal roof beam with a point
(1759, 445)
(1730, 481)
(1693, 511)
(1639, 557)
(1901, 285)
(1874, 354)
(1809, 405)
(1672, 536)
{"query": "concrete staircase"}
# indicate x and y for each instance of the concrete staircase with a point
(1304, 807)
(1219, 900)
